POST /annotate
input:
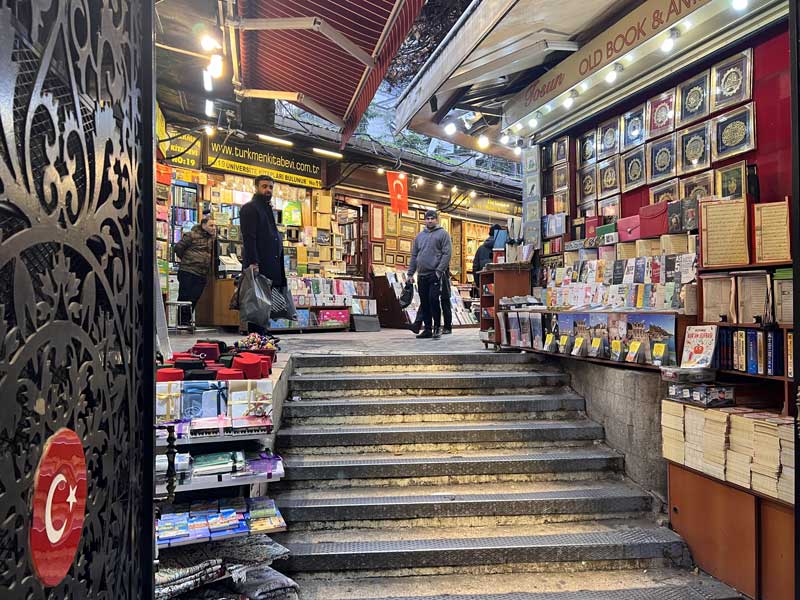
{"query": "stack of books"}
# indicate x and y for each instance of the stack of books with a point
(715, 442)
(766, 465)
(672, 436)
(264, 516)
(694, 425)
(786, 479)
(215, 463)
(740, 449)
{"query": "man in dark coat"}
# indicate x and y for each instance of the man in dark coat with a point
(483, 256)
(196, 253)
(263, 245)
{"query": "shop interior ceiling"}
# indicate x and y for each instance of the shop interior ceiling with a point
(495, 51)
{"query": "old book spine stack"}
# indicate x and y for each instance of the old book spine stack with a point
(754, 450)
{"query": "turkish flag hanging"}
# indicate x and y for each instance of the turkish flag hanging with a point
(398, 191)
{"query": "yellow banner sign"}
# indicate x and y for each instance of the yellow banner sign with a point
(257, 159)
(231, 166)
(637, 27)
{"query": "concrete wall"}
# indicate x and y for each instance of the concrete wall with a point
(627, 402)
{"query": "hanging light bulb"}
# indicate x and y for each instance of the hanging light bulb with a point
(209, 43)
(439, 186)
(533, 122)
(210, 108)
(381, 170)
(215, 66)
(504, 139)
(517, 151)
(420, 181)
(208, 84)
(454, 189)
(483, 141)
(210, 131)
(450, 128)
(472, 194)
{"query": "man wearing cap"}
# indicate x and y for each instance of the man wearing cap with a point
(430, 258)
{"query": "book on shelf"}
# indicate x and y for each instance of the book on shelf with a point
(698, 346)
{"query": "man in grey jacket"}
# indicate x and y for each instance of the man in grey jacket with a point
(430, 258)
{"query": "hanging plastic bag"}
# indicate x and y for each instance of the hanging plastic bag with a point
(408, 294)
(255, 303)
(282, 304)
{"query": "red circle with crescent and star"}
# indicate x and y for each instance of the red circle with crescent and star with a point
(59, 506)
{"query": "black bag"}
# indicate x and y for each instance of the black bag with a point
(408, 294)
(255, 304)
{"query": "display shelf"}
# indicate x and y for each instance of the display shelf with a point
(167, 547)
(212, 483)
(213, 439)
(752, 375)
(771, 265)
(733, 485)
(601, 361)
(749, 325)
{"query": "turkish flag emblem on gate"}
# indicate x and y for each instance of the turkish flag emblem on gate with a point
(398, 191)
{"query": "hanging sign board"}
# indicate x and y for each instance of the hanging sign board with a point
(495, 205)
(185, 151)
(639, 26)
(256, 159)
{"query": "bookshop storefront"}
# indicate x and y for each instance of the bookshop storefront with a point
(658, 182)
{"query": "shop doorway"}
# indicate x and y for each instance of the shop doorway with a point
(76, 285)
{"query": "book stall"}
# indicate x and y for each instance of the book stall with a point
(657, 191)
(213, 422)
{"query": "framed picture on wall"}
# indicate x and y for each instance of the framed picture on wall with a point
(377, 253)
(408, 228)
(587, 184)
(632, 128)
(661, 114)
(608, 177)
(560, 178)
(391, 220)
(404, 245)
(586, 148)
(444, 222)
(400, 259)
(694, 148)
(421, 215)
(633, 167)
(609, 208)
(391, 243)
(608, 138)
(665, 192)
(376, 222)
(734, 132)
(731, 181)
(561, 202)
(389, 259)
(697, 187)
(692, 100)
(661, 159)
(561, 150)
(732, 80)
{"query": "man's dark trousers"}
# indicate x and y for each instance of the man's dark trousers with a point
(429, 291)
(447, 309)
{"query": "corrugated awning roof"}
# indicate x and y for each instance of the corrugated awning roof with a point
(328, 56)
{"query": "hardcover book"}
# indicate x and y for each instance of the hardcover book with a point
(699, 345)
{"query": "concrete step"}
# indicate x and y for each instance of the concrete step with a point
(432, 468)
(562, 546)
(470, 504)
(413, 384)
(420, 406)
(653, 584)
(484, 432)
(322, 363)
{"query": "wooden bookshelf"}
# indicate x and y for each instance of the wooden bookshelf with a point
(508, 280)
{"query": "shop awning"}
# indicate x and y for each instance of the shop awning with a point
(327, 56)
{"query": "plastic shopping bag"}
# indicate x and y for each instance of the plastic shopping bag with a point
(255, 303)
(408, 294)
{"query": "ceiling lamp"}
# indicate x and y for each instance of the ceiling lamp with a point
(439, 186)
(517, 151)
(612, 75)
(669, 42)
(209, 108)
(570, 100)
(210, 131)
(739, 4)
(505, 139)
(209, 43)
(381, 170)
(454, 189)
(517, 126)
(215, 66)
(208, 84)
(328, 153)
(450, 128)
(472, 194)
(402, 176)
(483, 141)
(275, 140)
(420, 181)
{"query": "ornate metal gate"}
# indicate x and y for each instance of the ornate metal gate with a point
(76, 295)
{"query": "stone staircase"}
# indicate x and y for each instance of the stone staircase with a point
(466, 476)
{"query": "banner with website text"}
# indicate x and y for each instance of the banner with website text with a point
(256, 159)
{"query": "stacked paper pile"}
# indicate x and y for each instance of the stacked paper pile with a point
(740, 449)
(766, 456)
(786, 479)
(715, 443)
(672, 436)
(694, 424)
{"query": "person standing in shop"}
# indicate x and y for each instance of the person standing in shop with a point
(430, 257)
(195, 251)
(263, 245)
(483, 256)
(447, 309)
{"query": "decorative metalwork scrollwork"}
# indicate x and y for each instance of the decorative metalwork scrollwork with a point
(71, 182)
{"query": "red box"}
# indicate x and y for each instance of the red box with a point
(654, 221)
(592, 223)
(629, 229)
